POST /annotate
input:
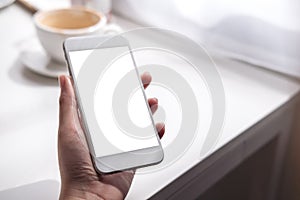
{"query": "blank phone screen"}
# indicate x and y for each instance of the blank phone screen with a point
(112, 101)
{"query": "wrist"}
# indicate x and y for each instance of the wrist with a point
(92, 190)
(77, 194)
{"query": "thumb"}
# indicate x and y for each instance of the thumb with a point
(67, 102)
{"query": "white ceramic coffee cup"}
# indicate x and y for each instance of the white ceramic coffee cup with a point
(54, 26)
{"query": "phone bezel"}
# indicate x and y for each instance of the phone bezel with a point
(122, 161)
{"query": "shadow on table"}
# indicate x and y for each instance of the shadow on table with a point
(46, 190)
(20, 74)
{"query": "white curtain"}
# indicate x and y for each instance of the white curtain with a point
(262, 32)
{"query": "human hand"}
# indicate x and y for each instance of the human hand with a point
(79, 179)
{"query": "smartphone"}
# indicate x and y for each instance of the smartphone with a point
(113, 144)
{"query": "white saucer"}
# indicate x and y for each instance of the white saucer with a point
(40, 63)
(4, 3)
(34, 57)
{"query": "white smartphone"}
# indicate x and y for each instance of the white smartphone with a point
(112, 147)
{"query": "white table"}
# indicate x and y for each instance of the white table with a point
(255, 98)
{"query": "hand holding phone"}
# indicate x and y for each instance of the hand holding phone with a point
(76, 166)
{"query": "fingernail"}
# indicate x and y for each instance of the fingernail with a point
(161, 124)
(58, 81)
(61, 81)
(160, 129)
(147, 73)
